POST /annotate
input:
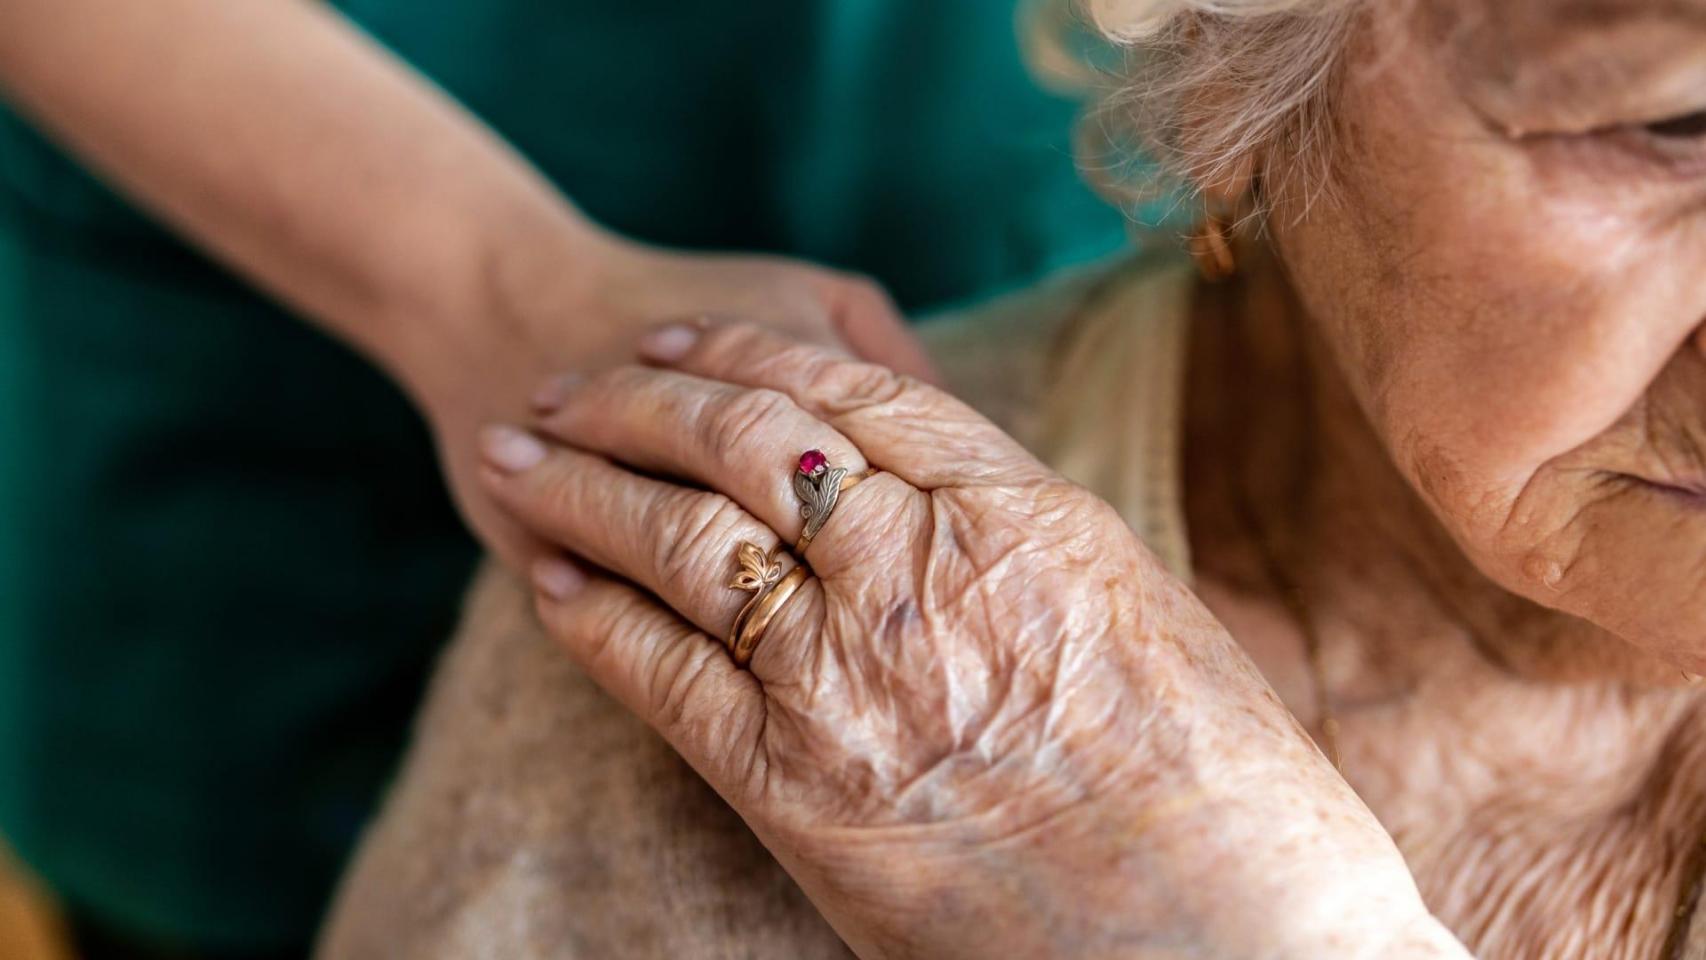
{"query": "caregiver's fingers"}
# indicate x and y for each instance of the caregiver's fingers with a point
(902, 425)
(661, 668)
(682, 545)
(868, 322)
(745, 443)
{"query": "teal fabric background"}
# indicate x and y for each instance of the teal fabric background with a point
(226, 560)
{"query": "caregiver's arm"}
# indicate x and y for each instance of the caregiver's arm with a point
(305, 156)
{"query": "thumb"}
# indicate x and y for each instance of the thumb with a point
(867, 321)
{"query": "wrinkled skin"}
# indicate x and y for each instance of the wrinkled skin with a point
(1471, 409)
(992, 725)
(1547, 805)
(1510, 284)
(1471, 431)
(588, 318)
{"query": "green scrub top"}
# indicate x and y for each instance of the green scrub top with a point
(226, 556)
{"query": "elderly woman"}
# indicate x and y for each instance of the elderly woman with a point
(1426, 476)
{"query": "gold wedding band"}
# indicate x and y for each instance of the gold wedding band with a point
(819, 487)
(761, 575)
(749, 630)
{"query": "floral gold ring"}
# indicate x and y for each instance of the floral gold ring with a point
(761, 575)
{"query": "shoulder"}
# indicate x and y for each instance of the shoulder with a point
(1012, 356)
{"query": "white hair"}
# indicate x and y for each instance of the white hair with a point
(1205, 86)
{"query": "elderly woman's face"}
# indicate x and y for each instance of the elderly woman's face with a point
(1515, 284)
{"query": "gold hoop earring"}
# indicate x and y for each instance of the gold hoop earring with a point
(1211, 248)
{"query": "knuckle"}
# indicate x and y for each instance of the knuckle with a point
(703, 528)
(902, 525)
(593, 400)
(856, 385)
(626, 377)
(744, 420)
(1070, 519)
(606, 387)
(612, 628)
(794, 360)
(681, 406)
(622, 620)
(677, 693)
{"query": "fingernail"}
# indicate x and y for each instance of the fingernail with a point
(551, 395)
(557, 578)
(511, 450)
(669, 344)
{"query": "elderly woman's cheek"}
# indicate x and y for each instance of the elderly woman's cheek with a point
(1574, 326)
(1581, 292)
(1488, 355)
(1491, 306)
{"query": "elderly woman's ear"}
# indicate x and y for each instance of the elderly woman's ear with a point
(1226, 199)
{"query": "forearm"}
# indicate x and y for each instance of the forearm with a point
(285, 143)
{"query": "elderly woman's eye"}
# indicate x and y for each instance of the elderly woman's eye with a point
(1689, 126)
(1674, 146)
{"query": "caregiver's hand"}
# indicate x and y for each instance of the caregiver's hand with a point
(409, 230)
(585, 310)
(992, 725)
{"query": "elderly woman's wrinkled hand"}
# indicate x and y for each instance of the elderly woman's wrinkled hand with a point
(589, 318)
(991, 724)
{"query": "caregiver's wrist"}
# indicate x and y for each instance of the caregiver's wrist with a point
(518, 307)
